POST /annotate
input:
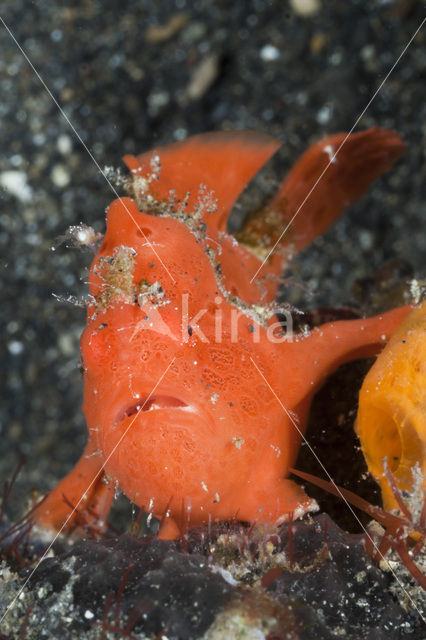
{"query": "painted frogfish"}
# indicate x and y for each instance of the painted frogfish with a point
(196, 391)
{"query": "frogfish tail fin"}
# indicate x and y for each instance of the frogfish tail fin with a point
(332, 174)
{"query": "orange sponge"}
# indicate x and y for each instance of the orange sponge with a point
(391, 421)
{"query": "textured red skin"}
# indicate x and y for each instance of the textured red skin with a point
(228, 454)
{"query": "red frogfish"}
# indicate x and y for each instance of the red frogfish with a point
(195, 396)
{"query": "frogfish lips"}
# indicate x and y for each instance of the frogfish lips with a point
(151, 403)
(165, 439)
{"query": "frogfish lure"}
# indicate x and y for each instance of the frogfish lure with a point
(195, 396)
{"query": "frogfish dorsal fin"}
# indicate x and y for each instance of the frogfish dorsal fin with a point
(223, 161)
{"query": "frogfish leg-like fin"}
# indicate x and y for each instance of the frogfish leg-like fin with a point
(169, 530)
(272, 501)
(83, 488)
(314, 358)
(320, 186)
(223, 161)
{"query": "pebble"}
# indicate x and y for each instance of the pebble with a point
(157, 33)
(64, 144)
(305, 8)
(324, 114)
(16, 183)
(60, 176)
(202, 78)
(268, 53)
(318, 42)
(67, 345)
(366, 239)
(157, 100)
(15, 347)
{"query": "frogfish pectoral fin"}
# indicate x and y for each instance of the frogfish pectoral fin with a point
(83, 488)
(314, 358)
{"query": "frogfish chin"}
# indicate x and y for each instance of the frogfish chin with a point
(196, 397)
